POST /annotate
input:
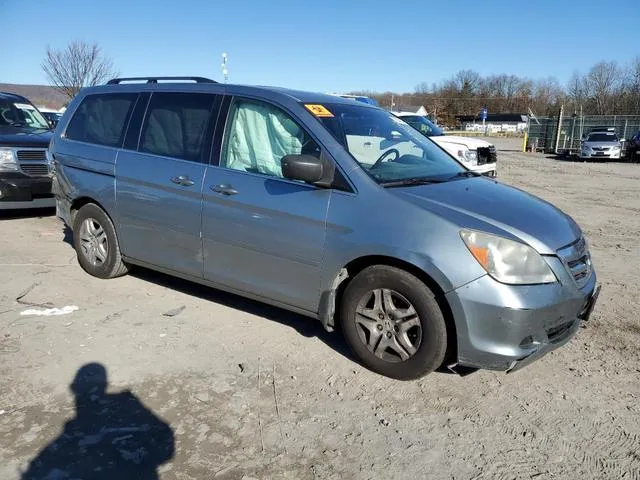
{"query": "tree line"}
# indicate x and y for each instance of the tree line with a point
(607, 88)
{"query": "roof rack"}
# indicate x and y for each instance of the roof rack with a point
(115, 81)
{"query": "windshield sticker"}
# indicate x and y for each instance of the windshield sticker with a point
(318, 110)
(24, 106)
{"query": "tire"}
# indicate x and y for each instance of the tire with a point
(96, 243)
(422, 337)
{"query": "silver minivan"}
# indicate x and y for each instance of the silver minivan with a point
(331, 208)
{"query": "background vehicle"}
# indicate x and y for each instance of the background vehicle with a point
(601, 145)
(25, 180)
(361, 98)
(326, 207)
(632, 148)
(475, 154)
(52, 116)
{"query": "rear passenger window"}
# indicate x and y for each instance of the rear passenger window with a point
(176, 125)
(101, 119)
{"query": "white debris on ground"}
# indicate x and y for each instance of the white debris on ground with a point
(47, 312)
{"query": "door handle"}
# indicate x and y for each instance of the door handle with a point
(182, 180)
(224, 189)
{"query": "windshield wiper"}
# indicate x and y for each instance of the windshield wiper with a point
(411, 181)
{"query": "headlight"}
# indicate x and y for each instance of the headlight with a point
(507, 261)
(8, 160)
(615, 149)
(468, 156)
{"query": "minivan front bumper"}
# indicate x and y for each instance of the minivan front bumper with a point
(505, 327)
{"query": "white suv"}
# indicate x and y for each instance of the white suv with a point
(473, 153)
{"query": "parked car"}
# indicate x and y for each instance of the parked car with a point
(633, 148)
(474, 154)
(360, 98)
(25, 180)
(324, 206)
(52, 116)
(601, 145)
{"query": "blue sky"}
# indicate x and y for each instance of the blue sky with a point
(325, 45)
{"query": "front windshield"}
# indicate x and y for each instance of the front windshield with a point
(423, 125)
(602, 137)
(387, 148)
(21, 115)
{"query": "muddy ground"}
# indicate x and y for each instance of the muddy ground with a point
(228, 388)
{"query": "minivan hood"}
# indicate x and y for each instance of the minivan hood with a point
(24, 137)
(506, 208)
(469, 142)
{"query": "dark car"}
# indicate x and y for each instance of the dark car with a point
(52, 117)
(633, 148)
(25, 177)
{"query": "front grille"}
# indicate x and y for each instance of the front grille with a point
(32, 155)
(487, 155)
(577, 261)
(35, 169)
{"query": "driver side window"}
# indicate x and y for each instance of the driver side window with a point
(258, 135)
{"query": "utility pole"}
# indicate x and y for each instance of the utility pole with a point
(225, 71)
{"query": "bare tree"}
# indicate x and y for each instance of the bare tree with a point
(467, 82)
(547, 95)
(602, 83)
(576, 90)
(632, 87)
(78, 65)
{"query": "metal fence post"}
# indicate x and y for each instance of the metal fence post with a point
(581, 124)
(555, 149)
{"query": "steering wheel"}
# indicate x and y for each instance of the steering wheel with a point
(385, 155)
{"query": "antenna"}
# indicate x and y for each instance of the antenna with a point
(225, 71)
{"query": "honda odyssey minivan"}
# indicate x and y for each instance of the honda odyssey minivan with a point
(334, 209)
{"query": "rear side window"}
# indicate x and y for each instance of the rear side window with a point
(176, 125)
(101, 119)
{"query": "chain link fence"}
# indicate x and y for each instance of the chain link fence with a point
(563, 134)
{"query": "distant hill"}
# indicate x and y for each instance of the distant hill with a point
(39, 95)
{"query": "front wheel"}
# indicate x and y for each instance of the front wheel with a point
(96, 243)
(393, 323)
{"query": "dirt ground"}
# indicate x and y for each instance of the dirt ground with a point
(231, 389)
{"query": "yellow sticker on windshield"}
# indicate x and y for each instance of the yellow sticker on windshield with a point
(318, 110)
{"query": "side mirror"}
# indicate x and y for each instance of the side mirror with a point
(306, 168)
(53, 123)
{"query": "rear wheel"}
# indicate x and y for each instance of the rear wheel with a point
(393, 323)
(96, 243)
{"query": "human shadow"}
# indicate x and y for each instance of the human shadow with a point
(113, 436)
(307, 327)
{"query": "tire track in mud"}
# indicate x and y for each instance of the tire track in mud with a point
(599, 446)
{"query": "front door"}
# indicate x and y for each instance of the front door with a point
(159, 184)
(263, 234)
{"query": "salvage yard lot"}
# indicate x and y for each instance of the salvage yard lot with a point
(256, 392)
